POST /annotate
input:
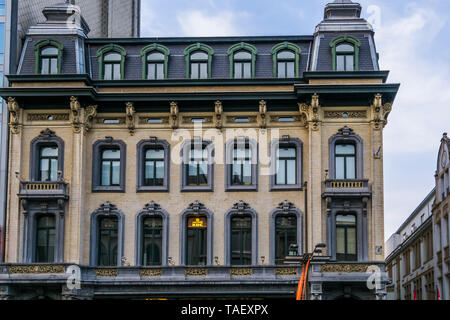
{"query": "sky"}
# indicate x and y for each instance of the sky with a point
(412, 38)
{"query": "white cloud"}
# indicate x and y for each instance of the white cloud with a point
(196, 23)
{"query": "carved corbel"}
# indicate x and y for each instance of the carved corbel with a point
(89, 114)
(311, 112)
(14, 115)
(380, 112)
(131, 117)
(75, 114)
(262, 114)
(218, 115)
(174, 115)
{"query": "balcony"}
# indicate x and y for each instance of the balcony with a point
(351, 188)
(56, 190)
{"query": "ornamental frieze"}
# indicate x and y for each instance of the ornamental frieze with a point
(151, 272)
(36, 269)
(195, 272)
(48, 117)
(286, 271)
(345, 114)
(153, 120)
(344, 268)
(241, 272)
(106, 273)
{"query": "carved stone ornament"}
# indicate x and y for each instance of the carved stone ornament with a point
(107, 208)
(131, 117)
(89, 114)
(262, 114)
(75, 114)
(151, 208)
(344, 268)
(311, 112)
(241, 206)
(195, 272)
(174, 115)
(241, 272)
(111, 273)
(34, 269)
(286, 206)
(380, 112)
(286, 271)
(196, 206)
(151, 272)
(218, 109)
(14, 115)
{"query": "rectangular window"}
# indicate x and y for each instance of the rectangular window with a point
(110, 167)
(241, 241)
(155, 71)
(48, 164)
(197, 168)
(346, 248)
(242, 166)
(196, 241)
(286, 166)
(154, 167)
(199, 70)
(152, 241)
(345, 161)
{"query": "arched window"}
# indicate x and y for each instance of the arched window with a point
(155, 59)
(286, 60)
(198, 61)
(241, 165)
(197, 165)
(285, 235)
(48, 163)
(286, 164)
(345, 161)
(242, 60)
(107, 241)
(346, 240)
(111, 59)
(196, 246)
(345, 57)
(48, 54)
(345, 53)
(152, 228)
(108, 165)
(153, 165)
(45, 239)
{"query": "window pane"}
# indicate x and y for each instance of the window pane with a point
(247, 70)
(194, 71)
(340, 170)
(107, 72)
(345, 47)
(151, 71)
(50, 51)
(155, 56)
(53, 66)
(345, 149)
(106, 173)
(247, 174)
(203, 71)
(49, 151)
(149, 170)
(281, 172)
(340, 240)
(203, 173)
(44, 66)
(242, 55)
(116, 172)
(116, 75)
(199, 56)
(349, 63)
(111, 154)
(160, 170)
(351, 169)
(290, 66)
(112, 57)
(340, 63)
(237, 171)
(351, 240)
(286, 152)
(54, 170)
(291, 172)
(281, 69)
(286, 54)
(238, 70)
(154, 154)
(45, 169)
(160, 71)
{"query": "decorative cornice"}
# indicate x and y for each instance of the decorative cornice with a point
(345, 131)
(47, 134)
(380, 112)
(151, 208)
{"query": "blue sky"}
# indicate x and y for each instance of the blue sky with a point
(412, 38)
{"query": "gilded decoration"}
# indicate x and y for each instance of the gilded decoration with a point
(241, 271)
(218, 115)
(14, 115)
(344, 268)
(262, 121)
(36, 269)
(195, 272)
(174, 115)
(75, 114)
(311, 112)
(130, 118)
(151, 272)
(345, 114)
(286, 271)
(106, 273)
(48, 117)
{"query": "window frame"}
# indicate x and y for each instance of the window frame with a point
(192, 49)
(142, 148)
(345, 135)
(345, 157)
(229, 158)
(185, 153)
(348, 39)
(346, 242)
(247, 48)
(39, 46)
(102, 52)
(148, 50)
(36, 235)
(288, 142)
(97, 148)
(282, 47)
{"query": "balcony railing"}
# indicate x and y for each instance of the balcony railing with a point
(43, 189)
(338, 186)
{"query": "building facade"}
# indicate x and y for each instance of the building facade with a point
(410, 256)
(441, 226)
(174, 167)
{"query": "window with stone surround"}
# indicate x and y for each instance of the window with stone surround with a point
(108, 165)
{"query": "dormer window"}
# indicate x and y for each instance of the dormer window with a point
(286, 59)
(199, 65)
(48, 57)
(155, 60)
(111, 59)
(242, 61)
(345, 53)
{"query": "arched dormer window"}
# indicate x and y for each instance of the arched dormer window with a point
(242, 61)
(198, 61)
(111, 59)
(48, 57)
(345, 53)
(155, 59)
(286, 59)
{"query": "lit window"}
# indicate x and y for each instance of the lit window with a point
(196, 253)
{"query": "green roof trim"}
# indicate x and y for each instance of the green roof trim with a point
(246, 47)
